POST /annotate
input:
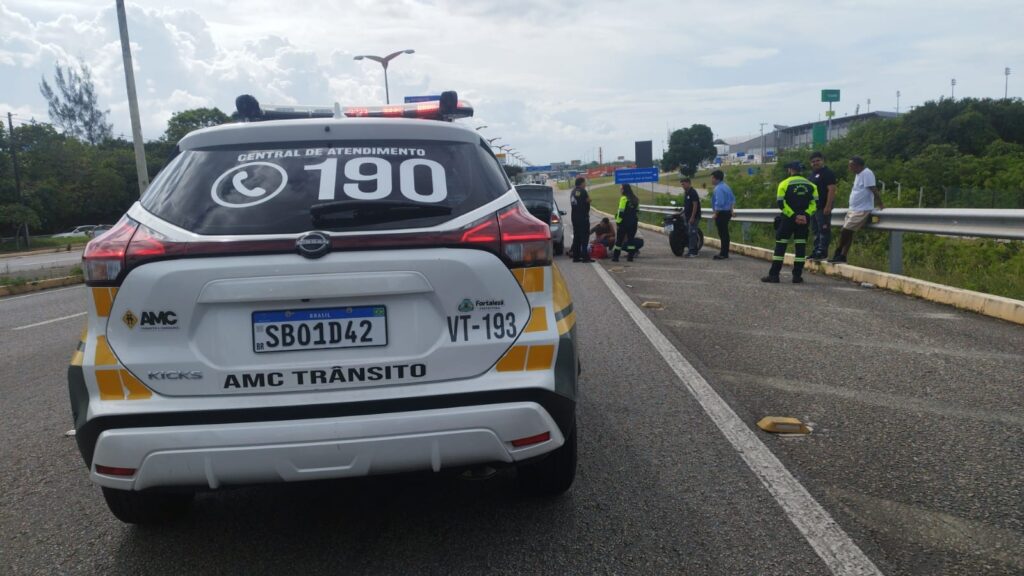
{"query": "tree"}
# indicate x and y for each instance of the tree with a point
(73, 106)
(181, 123)
(512, 171)
(688, 148)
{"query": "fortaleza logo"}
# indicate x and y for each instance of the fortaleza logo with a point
(333, 375)
(466, 306)
(151, 320)
(489, 304)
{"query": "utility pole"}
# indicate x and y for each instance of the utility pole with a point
(897, 102)
(133, 100)
(869, 105)
(23, 227)
(1006, 86)
(952, 89)
(763, 151)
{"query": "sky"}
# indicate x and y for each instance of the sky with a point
(558, 80)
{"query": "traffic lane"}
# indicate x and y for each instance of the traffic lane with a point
(37, 261)
(659, 491)
(916, 444)
(58, 304)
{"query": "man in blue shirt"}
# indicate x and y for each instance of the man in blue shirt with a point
(723, 202)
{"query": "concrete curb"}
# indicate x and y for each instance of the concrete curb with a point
(52, 250)
(39, 285)
(987, 304)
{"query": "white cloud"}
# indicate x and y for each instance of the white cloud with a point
(556, 79)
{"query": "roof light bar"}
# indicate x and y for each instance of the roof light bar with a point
(434, 110)
(448, 108)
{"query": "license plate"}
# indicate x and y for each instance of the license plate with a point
(669, 227)
(319, 328)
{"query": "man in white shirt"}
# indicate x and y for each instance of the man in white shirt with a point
(862, 202)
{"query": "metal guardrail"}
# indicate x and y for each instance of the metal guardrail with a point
(973, 222)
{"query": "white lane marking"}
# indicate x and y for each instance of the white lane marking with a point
(39, 293)
(50, 321)
(839, 552)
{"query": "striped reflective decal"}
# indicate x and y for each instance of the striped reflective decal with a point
(567, 323)
(104, 355)
(120, 385)
(109, 383)
(531, 279)
(514, 360)
(103, 298)
(540, 357)
(538, 320)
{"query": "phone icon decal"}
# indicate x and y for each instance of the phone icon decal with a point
(248, 184)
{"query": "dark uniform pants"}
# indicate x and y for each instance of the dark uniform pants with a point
(624, 235)
(822, 233)
(580, 236)
(787, 231)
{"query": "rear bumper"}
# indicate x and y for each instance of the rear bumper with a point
(214, 455)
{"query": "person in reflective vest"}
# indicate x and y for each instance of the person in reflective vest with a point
(798, 199)
(626, 221)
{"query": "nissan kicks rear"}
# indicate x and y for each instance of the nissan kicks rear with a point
(323, 298)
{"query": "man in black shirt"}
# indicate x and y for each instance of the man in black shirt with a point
(825, 181)
(580, 202)
(691, 212)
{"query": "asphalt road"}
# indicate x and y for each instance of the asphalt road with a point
(916, 451)
(15, 264)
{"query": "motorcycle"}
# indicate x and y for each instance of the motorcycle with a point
(675, 226)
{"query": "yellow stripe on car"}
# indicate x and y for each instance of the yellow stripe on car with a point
(538, 320)
(103, 298)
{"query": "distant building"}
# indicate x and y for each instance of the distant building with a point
(786, 137)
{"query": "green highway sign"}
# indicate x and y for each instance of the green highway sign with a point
(830, 95)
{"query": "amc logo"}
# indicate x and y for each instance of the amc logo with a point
(151, 319)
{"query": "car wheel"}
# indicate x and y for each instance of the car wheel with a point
(554, 473)
(559, 248)
(147, 507)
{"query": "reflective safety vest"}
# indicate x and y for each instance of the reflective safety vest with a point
(797, 195)
(627, 211)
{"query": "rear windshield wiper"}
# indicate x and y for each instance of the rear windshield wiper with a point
(373, 211)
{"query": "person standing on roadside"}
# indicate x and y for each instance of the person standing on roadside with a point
(691, 213)
(627, 220)
(825, 181)
(723, 202)
(580, 201)
(798, 200)
(862, 202)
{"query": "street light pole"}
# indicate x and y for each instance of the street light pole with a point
(897, 102)
(763, 151)
(133, 100)
(383, 61)
(1006, 87)
(952, 89)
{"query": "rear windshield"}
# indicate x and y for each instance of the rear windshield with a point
(544, 193)
(273, 189)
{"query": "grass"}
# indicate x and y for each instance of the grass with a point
(43, 243)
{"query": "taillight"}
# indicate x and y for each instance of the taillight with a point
(525, 240)
(103, 259)
(109, 257)
(148, 244)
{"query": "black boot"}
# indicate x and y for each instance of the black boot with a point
(770, 279)
(615, 255)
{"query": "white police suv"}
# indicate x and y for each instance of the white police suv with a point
(356, 292)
